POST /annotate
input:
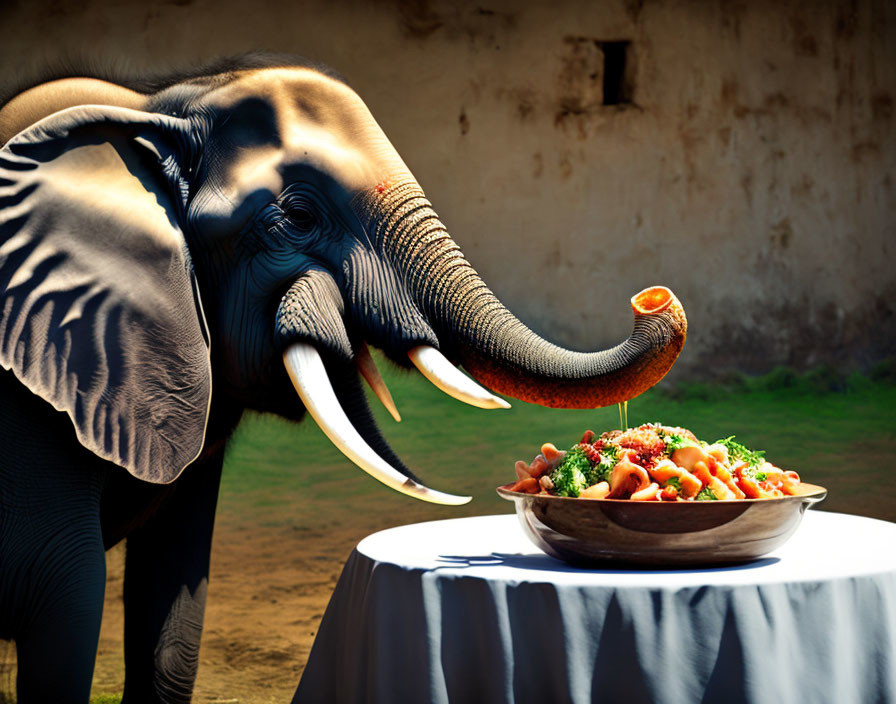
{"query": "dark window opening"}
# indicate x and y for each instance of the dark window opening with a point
(618, 88)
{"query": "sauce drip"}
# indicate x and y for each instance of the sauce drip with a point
(623, 415)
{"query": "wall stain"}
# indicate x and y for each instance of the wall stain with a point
(524, 100)
(580, 79)
(478, 25)
(781, 233)
(777, 104)
(565, 163)
(464, 122)
(774, 101)
(690, 139)
(537, 165)
(803, 189)
(728, 96)
(847, 20)
(804, 44)
(793, 326)
(746, 184)
(417, 19)
(881, 107)
(554, 258)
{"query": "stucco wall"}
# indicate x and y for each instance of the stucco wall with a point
(752, 171)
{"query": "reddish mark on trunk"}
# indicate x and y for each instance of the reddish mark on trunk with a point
(382, 186)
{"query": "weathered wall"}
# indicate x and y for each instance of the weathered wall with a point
(752, 171)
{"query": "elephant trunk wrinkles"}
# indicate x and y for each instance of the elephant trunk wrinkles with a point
(491, 343)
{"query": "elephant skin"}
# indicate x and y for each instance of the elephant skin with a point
(175, 251)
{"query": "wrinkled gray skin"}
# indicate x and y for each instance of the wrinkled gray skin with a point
(158, 252)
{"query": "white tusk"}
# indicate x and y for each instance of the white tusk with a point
(435, 367)
(306, 370)
(371, 374)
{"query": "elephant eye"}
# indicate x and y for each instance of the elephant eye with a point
(302, 217)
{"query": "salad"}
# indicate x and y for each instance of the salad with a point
(654, 462)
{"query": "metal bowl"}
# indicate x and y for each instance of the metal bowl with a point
(660, 533)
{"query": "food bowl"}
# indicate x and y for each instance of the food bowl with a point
(660, 533)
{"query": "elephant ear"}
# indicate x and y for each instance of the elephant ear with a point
(99, 312)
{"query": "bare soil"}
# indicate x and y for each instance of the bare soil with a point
(268, 590)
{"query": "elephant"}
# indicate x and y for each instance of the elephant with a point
(176, 250)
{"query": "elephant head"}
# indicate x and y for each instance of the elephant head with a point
(242, 230)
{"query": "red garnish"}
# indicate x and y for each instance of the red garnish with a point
(642, 445)
(591, 452)
(669, 493)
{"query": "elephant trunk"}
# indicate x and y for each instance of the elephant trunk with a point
(476, 329)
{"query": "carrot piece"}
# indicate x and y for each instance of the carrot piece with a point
(526, 486)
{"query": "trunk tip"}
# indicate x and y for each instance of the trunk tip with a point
(652, 300)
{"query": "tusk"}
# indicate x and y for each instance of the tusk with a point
(306, 370)
(435, 367)
(371, 374)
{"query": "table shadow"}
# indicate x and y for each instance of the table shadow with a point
(546, 563)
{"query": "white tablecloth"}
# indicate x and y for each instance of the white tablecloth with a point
(467, 610)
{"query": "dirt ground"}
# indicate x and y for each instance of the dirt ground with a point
(268, 590)
(271, 580)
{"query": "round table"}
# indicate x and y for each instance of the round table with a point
(467, 610)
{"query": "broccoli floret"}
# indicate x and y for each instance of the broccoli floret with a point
(706, 494)
(740, 453)
(611, 452)
(675, 442)
(571, 476)
(577, 471)
(609, 456)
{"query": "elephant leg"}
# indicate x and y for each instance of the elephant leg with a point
(52, 561)
(166, 581)
(57, 648)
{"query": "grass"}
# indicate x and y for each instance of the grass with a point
(834, 430)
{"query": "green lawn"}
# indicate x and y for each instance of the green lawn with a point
(840, 433)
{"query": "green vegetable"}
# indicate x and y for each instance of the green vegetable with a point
(571, 476)
(740, 453)
(676, 442)
(760, 476)
(706, 494)
(576, 472)
(673, 482)
(609, 456)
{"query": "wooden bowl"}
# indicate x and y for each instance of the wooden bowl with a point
(660, 533)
